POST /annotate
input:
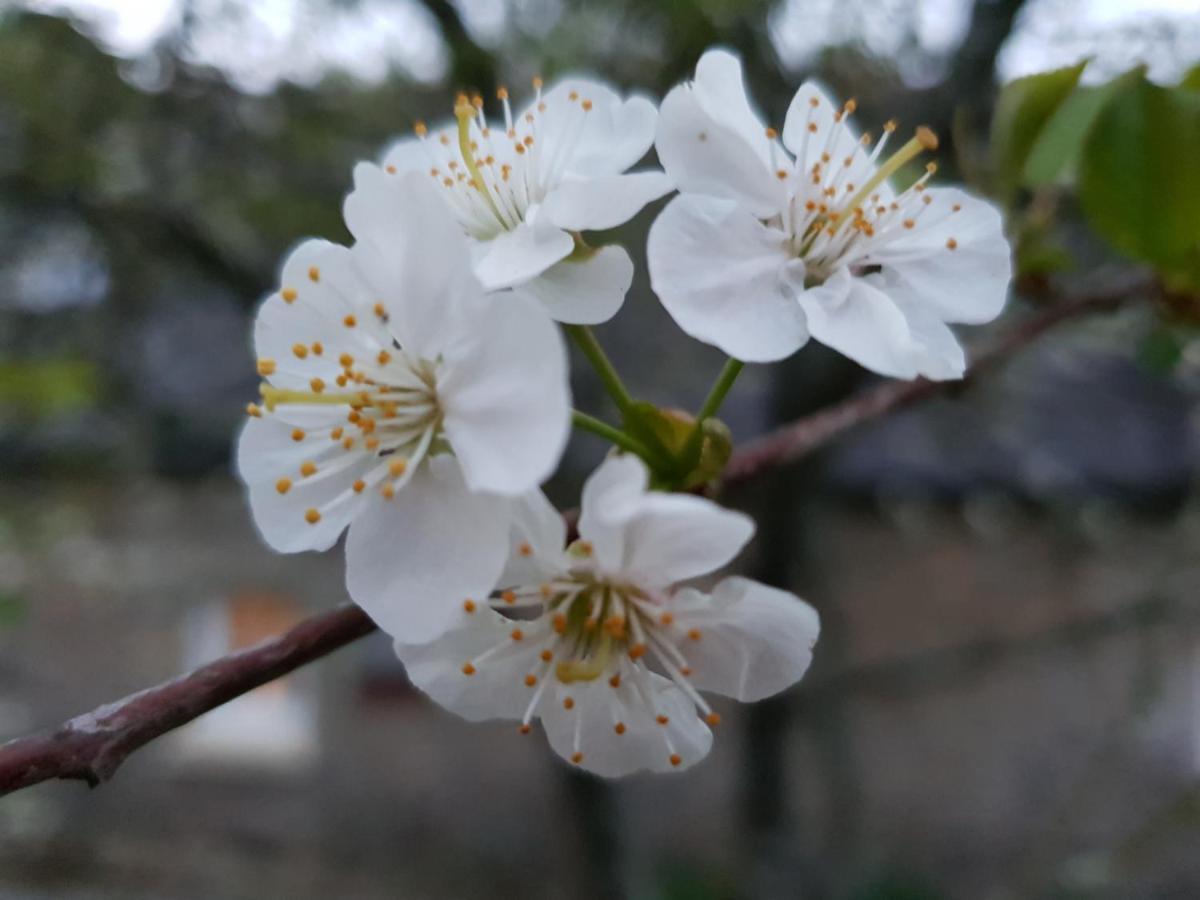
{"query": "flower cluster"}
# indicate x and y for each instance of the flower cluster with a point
(415, 389)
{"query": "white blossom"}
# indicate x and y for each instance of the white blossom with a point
(602, 643)
(402, 401)
(771, 241)
(523, 186)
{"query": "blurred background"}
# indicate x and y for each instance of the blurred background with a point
(1006, 697)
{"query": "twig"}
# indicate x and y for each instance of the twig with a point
(91, 747)
(791, 442)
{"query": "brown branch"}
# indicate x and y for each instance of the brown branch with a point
(91, 747)
(791, 442)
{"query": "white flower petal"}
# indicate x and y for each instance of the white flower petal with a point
(589, 727)
(702, 155)
(269, 458)
(505, 397)
(832, 139)
(410, 253)
(721, 93)
(654, 537)
(301, 328)
(754, 640)
(856, 318)
(537, 538)
(513, 257)
(718, 272)
(606, 139)
(595, 204)
(610, 496)
(583, 292)
(936, 352)
(496, 689)
(968, 283)
(407, 155)
(674, 537)
(412, 560)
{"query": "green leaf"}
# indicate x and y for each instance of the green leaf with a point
(1054, 156)
(48, 387)
(1024, 107)
(1161, 350)
(1139, 181)
(1191, 79)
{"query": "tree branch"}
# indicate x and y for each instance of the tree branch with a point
(791, 442)
(92, 746)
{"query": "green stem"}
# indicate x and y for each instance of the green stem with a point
(716, 396)
(712, 404)
(615, 436)
(583, 336)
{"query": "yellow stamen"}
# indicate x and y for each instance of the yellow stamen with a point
(273, 396)
(465, 112)
(923, 141)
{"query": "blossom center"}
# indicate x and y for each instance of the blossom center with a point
(496, 177)
(838, 206)
(393, 417)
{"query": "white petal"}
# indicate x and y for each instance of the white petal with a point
(853, 316)
(583, 292)
(589, 726)
(809, 147)
(936, 352)
(515, 256)
(594, 204)
(967, 284)
(721, 93)
(704, 156)
(610, 496)
(754, 641)
(505, 396)
(497, 688)
(673, 537)
(718, 272)
(268, 452)
(319, 287)
(407, 155)
(606, 139)
(537, 538)
(653, 537)
(412, 560)
(410, 253)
